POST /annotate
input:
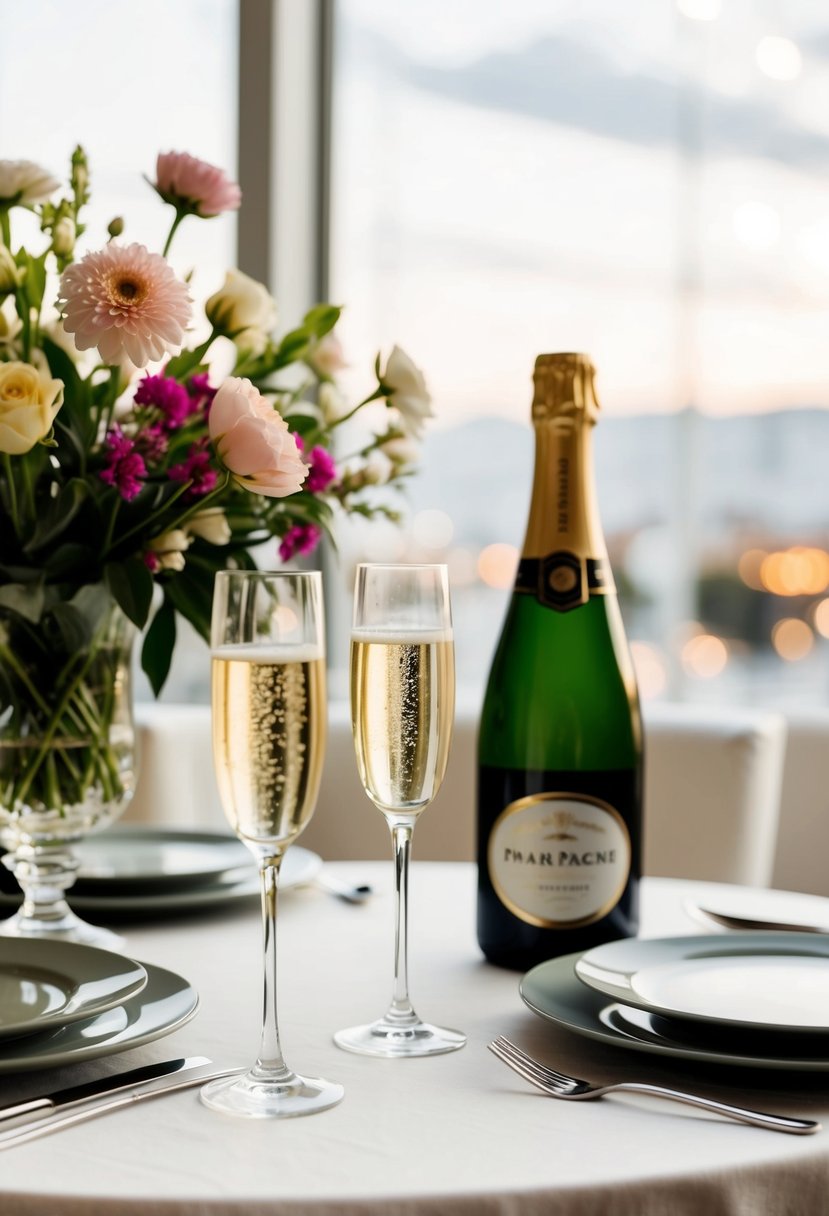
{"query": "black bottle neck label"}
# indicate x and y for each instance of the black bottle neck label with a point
(563, 580)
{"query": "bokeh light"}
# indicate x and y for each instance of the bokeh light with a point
(820, 616)
(796, 571)
(497, 565)
(778, 58)
(704, 656)
(792, 639)
(750, 566)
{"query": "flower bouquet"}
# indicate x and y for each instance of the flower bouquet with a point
(130, 474)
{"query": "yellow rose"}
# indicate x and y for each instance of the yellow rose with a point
(29, 401)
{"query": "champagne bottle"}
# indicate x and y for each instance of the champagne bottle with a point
(560, 742)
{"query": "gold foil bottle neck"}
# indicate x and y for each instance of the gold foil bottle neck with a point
(564, 389)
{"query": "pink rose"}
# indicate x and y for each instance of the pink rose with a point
(253, 441)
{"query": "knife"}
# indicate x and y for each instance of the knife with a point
(81, 1102)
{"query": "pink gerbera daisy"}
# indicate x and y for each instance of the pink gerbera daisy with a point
(127, 302)
(194, 185)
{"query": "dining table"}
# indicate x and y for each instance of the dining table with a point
(449, 1134)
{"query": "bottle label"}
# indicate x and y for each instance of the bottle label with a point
(559, 860)
(562, 580)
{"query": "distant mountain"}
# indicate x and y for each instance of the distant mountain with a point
(558, 79)
(764, 471)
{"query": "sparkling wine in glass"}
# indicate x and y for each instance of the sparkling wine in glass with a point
(402, 711)
(269, 725)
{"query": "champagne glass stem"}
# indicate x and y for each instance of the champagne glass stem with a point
(401, 1009)
(270, 1051)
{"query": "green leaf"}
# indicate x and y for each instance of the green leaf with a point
(35, 279)
(292, 347)
(72, 560)
(72, 626)
(25, 600)
(157, 651)
(131, 585)
(76, 394)
(321, 319)
(191, 591)
(94, 602)
(59, 514)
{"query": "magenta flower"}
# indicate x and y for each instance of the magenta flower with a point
(151, 561)
(196, 468)
(322, 470)
(152, 442)
(166, 395)
(201, 391)
(299, 540)
(127, 302)
(125, 467)
(191, 184)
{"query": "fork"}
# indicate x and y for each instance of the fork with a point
(560, 1085)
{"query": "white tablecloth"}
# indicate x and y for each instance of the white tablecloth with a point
(453, 1134)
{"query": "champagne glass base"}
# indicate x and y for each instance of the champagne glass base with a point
(256, 1095)
(385, 1038)
(66, 928)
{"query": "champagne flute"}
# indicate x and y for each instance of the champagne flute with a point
(269, 723)
(402, 709)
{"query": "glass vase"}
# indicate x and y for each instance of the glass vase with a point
(67, 752)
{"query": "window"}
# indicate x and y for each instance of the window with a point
(648, 185)
(127, 82)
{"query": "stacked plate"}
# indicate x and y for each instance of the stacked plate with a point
(135, 871)
(759, 1000)
(61, 1003)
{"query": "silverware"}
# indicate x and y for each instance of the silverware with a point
(559, 1085)
(343, 890)
(742, 923)
(81, 1102)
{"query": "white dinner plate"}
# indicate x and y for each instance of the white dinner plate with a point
(299, 867)
(52, 983)
(157, 857)
(554, 992)
(165, 1004)
(758, 981)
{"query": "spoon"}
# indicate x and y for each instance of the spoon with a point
(739, 923)
(346, 891)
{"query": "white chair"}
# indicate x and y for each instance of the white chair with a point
(802, 856)
(712, 782)
(712, 792)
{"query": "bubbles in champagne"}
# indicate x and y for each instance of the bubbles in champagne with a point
(402, 698)
(269, 733)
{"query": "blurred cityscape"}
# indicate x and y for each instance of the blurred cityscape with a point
(718, 532)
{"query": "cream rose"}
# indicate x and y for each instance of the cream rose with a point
(401, 450)
(243, 310)
(407, 392)
(253, 441)
(22, 181)
(169, 548)
(331, 401)
(211, 525)
(29, 401)
(327, 357)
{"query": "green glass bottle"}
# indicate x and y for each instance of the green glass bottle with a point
(560, 743)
